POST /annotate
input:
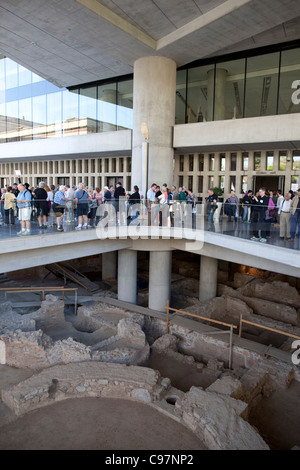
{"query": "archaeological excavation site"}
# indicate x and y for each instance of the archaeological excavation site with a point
(81, 369)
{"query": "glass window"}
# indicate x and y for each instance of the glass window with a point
(200, 95)
(261, 85)
(296, 160)
(211, 162)
(200, 184)
(295, 183)
(181, 163)
(222, 161)
(11, 74)
(233, 161)
(70, 112)
(244, 184)
(245, 157)
(180, 97)
(88, 110)
(232, 182)
(190, 183)
(229, 90)
(211, 181)
(54, 114)
(201, 162)
(125, 105)
(107, 108)
(39, 117)
(25, 76)
(282, 160)
(257, 161)
(25, 119)
(222, 182)
(191, 162)
(289, 96)
(270, 161)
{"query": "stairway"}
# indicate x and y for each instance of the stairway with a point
(67, 271)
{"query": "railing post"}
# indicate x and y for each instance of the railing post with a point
(230, 347)
(167, 326)
(241, 321)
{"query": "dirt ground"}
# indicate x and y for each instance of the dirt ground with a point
(97, 424)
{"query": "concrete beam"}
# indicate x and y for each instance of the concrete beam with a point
(89, 145)
(280, 131)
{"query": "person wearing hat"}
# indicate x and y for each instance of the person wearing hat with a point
(295, 215)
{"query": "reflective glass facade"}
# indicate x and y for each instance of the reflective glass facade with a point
(246, 85)
(33, 108)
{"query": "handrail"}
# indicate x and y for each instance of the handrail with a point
(41, 290)
(265, 328)
(231, 326)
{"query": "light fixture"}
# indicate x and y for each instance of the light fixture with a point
(145, 130)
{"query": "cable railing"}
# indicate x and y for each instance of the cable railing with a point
(252, 221)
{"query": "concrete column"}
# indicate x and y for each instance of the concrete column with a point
(127, 275)
(109, 265)
(154, 94)
(208, 278)
(159, 279)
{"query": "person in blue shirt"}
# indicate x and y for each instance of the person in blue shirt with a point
(59, 203)
(24, 207)
(81, 200)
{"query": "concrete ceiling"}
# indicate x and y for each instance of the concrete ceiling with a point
(73, 42)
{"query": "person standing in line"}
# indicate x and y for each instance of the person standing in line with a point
(232, 206)
(119, 192)
(262, 201)
(211, 200)
(24, 206)
(247, 199)
(81, 203)
(285, 217)
(295, 215)
(59, 204)
(9, 206)
(40, 195)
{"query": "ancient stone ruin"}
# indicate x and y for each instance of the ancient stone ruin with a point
(106, 351)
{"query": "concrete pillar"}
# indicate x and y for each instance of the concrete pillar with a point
(159, 279)
(109, 265)
(127, 275)
(208, 278)
(154, 94)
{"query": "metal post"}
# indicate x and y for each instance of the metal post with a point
(167, 327)
(230, 347)
(75, 302)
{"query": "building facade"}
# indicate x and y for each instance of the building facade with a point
(207, 94)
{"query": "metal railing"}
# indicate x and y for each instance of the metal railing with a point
(199, 317)
(222, 217)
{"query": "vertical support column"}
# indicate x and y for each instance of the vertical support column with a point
(208, 278)
(109, 265)
(127, 275)
(154, 104)
(159, 279)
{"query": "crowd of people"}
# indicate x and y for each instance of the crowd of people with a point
(261, 209)
(80, 204)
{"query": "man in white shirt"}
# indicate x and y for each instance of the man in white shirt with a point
(69, 194)
(285, 217)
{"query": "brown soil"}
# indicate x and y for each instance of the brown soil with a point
(97, 424)
(277, 418)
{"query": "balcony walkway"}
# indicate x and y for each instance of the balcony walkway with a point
(229, 241)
